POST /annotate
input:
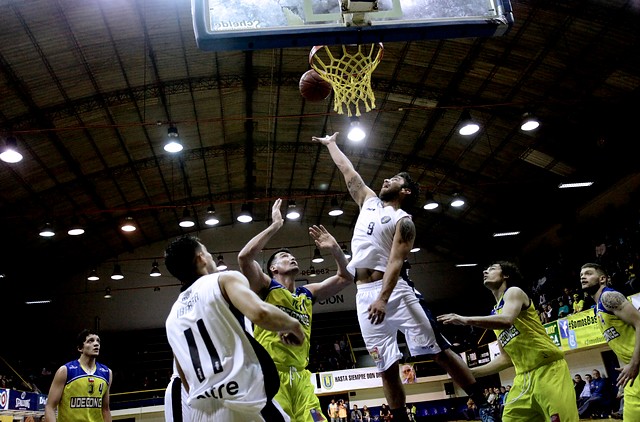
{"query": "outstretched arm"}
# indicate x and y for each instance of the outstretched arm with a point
(514, 301)
(235, 288)
(333, 284)
(497, 364)
(402, 243)
(247, 258)
(618, 304)
(357, 189)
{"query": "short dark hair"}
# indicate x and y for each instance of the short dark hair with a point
(272, 257)
(511, 272)
(82, 336)
(179, 258)
(599, 268)
(413, 186)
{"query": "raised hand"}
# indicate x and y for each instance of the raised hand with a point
(322, 237)
(325, 140)
(276, 214)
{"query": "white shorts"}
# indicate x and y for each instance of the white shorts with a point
(406, 313)
(216, 413)
(176, 408)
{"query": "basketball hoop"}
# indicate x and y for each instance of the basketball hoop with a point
(349, 75)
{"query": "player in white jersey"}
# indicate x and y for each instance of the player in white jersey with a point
(382, 238)
(228, 376)
(176, 408)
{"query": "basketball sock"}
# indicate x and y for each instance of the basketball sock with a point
(400, 415)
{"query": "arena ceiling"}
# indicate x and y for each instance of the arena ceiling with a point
(90, 88)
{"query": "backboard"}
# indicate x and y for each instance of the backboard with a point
(263, 24)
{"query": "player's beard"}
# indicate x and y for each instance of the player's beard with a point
(388, 195)
(591, 290)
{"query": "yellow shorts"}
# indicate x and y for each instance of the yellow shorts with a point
(298, 397)
(537, 395)
(631, 409)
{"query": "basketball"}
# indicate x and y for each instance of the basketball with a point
(313, 87)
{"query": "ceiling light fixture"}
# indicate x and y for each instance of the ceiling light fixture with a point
(155, 269)
(173, 144)
(93, 275)
(117, 273)
(529, 122)
(335, 209)
(37, 302)
(575, 185)
(211, 219)
(292, 211)
(76, 229)
(47, 230)
(431, 203)
(128, 225)
(415, 249)
(503, 234)
(10, 152)
(457, 201)
(317, 257)
(221, 265)
(468, 126)
(356, 134)
(245, 214)
(107, 293)
(312, 271)
(186, 221)
(466, 265)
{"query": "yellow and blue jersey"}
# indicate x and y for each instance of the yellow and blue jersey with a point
(83, 393)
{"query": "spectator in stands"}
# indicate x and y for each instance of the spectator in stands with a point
(586, 391)
(598, 401)
(356, 414)
(563, 309)
(385, 413)
(578, 303)
(578, 386)
(84, 377)
(333, 411)
(342, 411)
(411, 412)
(549, 312)
(366, 414)
(471, 413)
(542, 314)
(588, 301)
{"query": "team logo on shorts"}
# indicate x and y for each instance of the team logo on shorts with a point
(375, 354)
(327, 381)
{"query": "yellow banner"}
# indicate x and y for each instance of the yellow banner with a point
(575, 331)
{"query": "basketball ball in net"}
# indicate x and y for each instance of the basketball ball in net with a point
(313, 87)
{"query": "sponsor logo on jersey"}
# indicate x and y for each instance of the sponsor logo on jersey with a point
(375, 354)
(85, 402)
(327, 381)
(610, 334)
(304, 319)
(385, 219)
(91, 381)
(507, 335)
(221, 391)
(188, 303)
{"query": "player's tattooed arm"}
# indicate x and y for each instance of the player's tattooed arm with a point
(355, 184)
(613, 301)
(407, 230)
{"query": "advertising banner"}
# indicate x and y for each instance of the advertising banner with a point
(22, 400)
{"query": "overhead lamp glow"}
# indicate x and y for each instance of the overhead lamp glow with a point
(155, 270)
(117, 273)
(575, 185)
(47, 231)
(335, 209)
(457, 201)
(245, 214)
(345, 251)
(93, 275)
(173, 144)
(529, 122)
(107, 293)
(312, 271)
(186, 221)
(431, 203)
(466, 265)
(415, 249)
(220, 264)
(128, 225)
(317, 258)
(356, 134)
(10, 152)
(76, 229)
(211, 219)
(292, 211)
(37, 302)
(468, 126)
(504, 234)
